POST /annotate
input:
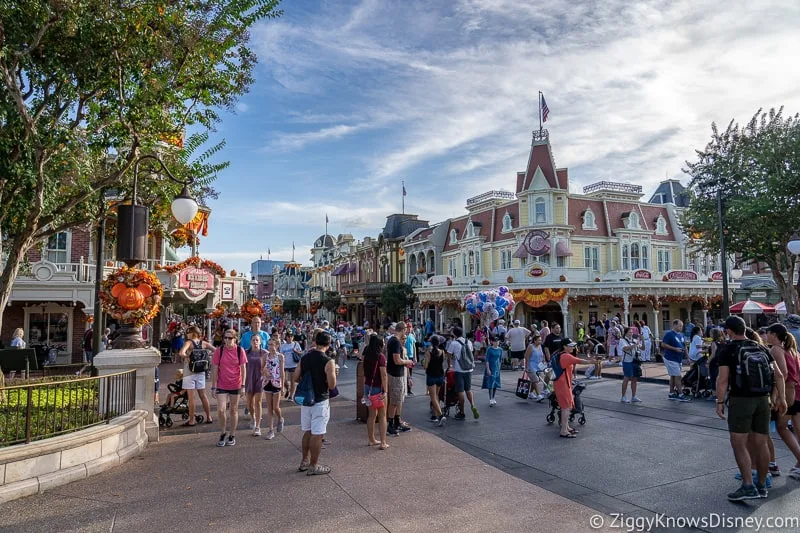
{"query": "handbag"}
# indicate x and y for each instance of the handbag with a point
(523, 386)
(375, 400)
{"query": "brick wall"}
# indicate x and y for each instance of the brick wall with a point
(13, 318)
(78, 329)
(80, 245)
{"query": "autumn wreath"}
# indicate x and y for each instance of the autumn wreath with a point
(194, 261)
(252, 308)
(131, 295)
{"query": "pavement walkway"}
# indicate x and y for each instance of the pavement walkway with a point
(184, 482)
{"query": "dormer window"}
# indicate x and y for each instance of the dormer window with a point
(589, 220)
(470, 230)
(507, 222)
(453, 236)
(633, 220)
(540, 211)
(661, 226)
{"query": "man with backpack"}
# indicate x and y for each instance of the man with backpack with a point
(753, 381)
(460, 351)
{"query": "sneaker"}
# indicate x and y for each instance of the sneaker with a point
(221, 443)
(404, 427)
(434, 418)
(794, 472)
(762, 490)
(270, 435)
(257, 432)
(459, 416)
(344, 366)
(231, 441)
(673, 396)
(441, 420)
(475, 412)
(624, 399)
(684, 398)
(392, 430)
(636, 399)
(774, 469)
(744, 493)
(738, 476)
(280, 426)
(252, 424)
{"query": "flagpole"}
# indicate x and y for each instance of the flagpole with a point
(540, 113)
(404, 196)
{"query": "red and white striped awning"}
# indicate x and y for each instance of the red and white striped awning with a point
(752, 308)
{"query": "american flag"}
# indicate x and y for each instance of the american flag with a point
(404, 190)
(545, 110)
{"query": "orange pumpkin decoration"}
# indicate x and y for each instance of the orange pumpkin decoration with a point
(131, 297)
(233, 273)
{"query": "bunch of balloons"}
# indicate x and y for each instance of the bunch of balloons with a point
(490, 305)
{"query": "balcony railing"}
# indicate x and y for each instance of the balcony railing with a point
(85, 272)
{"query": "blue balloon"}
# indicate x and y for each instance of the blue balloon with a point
(482, 296)
(501, 302)
(501, 312)
(480, 306)
(502, 290)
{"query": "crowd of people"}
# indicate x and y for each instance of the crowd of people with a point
(292, 362)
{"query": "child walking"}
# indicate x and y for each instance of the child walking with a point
(491, 374)
(273, 385)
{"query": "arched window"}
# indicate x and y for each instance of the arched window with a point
(589, 220)
(634, 256)
(625, 257)
(633, 221)
(506, 222)
(471, 264)
(470, 230)
(645, 257)
(540, 211)
(453, 236)
(464, 263)
(661, 226)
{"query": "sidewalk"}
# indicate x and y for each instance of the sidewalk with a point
(186, 483)
(652, 372)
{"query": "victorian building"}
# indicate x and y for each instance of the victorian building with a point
(565, 257)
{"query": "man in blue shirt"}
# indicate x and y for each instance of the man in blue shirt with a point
(674, 346)
(255, 329)
(429, 326)
(411, 352)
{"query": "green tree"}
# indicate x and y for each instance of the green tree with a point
(756, 170)
(331, 301)
(292, 307)
(395, 298)
(87, 87)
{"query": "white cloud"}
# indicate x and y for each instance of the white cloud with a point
(294, 141)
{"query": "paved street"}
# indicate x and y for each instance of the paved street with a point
(509, 466)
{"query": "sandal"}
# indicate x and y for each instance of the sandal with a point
(209, 421)
(568, 436)
(187, 424)
(303, 466)
(319, 470)
(574, 431)
(373, 443)
(383, 446)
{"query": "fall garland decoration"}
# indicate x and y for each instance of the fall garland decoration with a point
(131, 295)
(537, 297)
(617, 300)
(194, 261)
(252, 308)
(218, 312)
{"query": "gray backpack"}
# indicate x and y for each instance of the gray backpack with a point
(467, 361)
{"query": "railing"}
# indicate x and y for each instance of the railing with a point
(612, 186)
(490, 195)
(84, 272)
(36, 411)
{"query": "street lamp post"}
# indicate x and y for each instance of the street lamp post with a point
(132, 227)
(725, 301)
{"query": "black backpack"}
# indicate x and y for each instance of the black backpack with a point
(198, 359)
(754, 372)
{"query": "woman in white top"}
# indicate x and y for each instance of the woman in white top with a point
(647, 338)
(628, 349)
(17, 341)
(696, 345)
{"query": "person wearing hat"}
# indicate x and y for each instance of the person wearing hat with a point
(562, 386)
(748, 411)
(792, 323)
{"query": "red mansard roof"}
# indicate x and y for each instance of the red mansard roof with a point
(540, 157)
(577, 207)
(499, 213)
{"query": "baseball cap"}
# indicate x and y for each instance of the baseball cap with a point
(792, 321)
(501, 321)
(517, 322)
(568, 342)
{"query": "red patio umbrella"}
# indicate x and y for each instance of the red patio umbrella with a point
(751, 307)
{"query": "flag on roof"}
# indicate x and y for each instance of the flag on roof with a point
(545, 110)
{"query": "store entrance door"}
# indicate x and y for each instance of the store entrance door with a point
(551, 312)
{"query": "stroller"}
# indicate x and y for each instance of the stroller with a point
(179, 407)
(577, 390)
(165, 348)
(697, 382)
(447, 396)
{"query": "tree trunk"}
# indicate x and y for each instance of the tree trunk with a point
(16, 253)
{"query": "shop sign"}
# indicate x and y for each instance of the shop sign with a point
(681, 275)
(195, 281)
(758, 294)
(716, 276)
(537, 271)
(642, 274)
(440, 281)
(227, 290)
(537, 242)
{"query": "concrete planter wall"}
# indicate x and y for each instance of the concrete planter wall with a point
(28, 469)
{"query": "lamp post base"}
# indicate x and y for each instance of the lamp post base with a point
(130, 337)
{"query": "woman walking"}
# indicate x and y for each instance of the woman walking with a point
(291, 356)
(629, 349)
(253, 387)
(534, 356)
(717, 341)
(491, 373)
(375, 386)
(784, 351)
(434, 377)
(563, 364)
(273, 385)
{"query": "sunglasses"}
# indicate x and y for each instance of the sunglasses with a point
(230, 338)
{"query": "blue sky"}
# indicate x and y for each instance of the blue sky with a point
(353, 97)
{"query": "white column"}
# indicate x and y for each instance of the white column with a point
(567, 326)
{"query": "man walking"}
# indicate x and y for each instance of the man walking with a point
(552, 343)
(516, 337)
(396, 364)
(463, 364)
(674, 347)
(255, 329)
(314, 419)
(748, 405)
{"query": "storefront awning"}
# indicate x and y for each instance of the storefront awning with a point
(339, 270)
(521, 253)
(562, 249)
(352, 268)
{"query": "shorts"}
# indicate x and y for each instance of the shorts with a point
(397, 390)
(315, 418)
(748, 414)
(370, 391)
(232, 392)
(463, 382)
(673, 368)
(478, 345)
(196, 381)
(794, 409)
(628, 370)
(517, 354)
(272, 389)
(430, 381)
